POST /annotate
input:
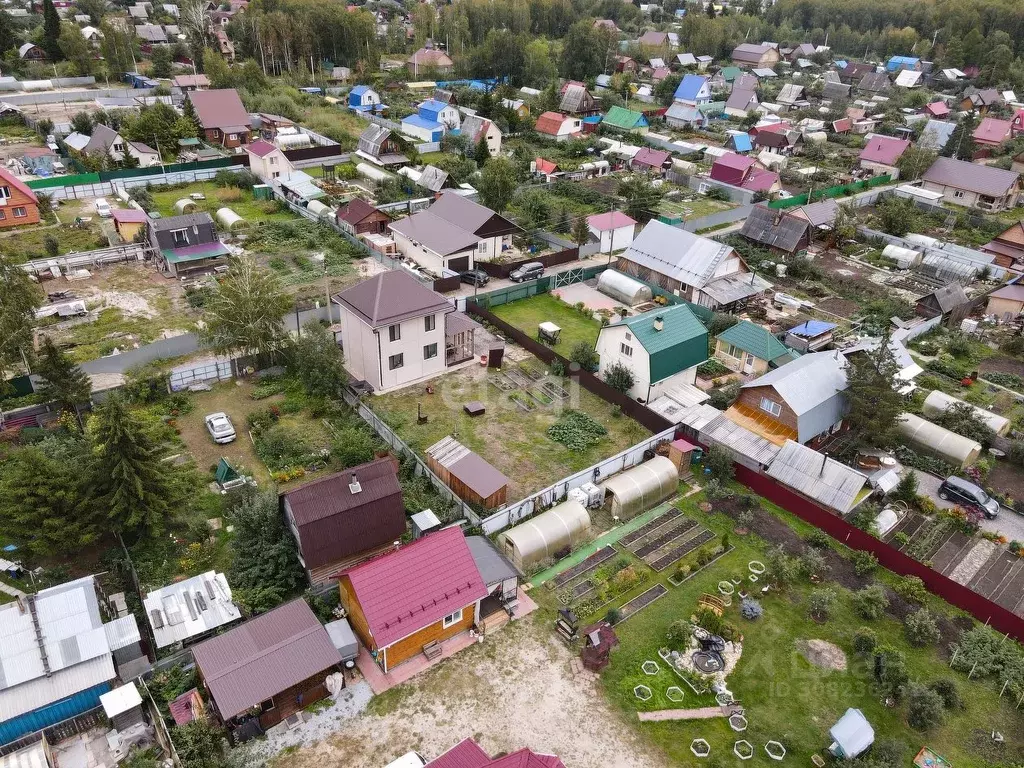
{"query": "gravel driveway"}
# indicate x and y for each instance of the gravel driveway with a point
(514, 690)
(1008, 523)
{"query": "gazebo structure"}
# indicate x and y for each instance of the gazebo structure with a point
(459, 332)
(598, 641)
(852, 735)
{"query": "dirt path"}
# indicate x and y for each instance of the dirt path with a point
(515, 690)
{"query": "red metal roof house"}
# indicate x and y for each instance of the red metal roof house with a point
(881, 153)
(412, 599)
(345, 518)
(19, 205)
(468, 754)
(741, 171)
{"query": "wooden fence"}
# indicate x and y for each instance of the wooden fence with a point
(503, 270)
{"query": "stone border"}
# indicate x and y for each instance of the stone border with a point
(700, 748)
(738, 722)
(640, 692)
(747, 749)
(674, 694)
(650, 668)
(726, 587)
(756, 567)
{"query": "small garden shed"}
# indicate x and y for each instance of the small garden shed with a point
(465, 472)
(638, 489)
(540, 537)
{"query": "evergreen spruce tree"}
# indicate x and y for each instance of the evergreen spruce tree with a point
(51, 32)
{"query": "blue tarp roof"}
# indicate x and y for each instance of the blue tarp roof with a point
(690, 87)
(813, 328)
(901, 61)
(841, 63)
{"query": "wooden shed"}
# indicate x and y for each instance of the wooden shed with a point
(474, 480)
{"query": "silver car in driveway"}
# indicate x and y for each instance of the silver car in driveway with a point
(220, 428)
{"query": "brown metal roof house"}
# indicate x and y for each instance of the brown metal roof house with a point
(267, 669)
(358, 217)
(345, 518)
(222, 117)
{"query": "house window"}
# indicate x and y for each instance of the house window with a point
(626, 350)
(20, 213)
(394, 332)
(5, 193)
(272, 160)
(481, 247)
(451, 619)
(429, 351)
(770, 406)
(733, 351)
(629, 336)
(429, 323)
(267, 705)
(232, 137)
(118, 147)
(958, 194)
(2, 215)
(180, 237)
(396, 361)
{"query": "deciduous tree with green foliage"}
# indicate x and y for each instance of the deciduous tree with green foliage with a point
(641, 196)
(914, 162)
(619, 377)
(64, 382)
(75, 48)
(118, 46)
(131, 480)
(497, 185)
(317, 361)
(19, 299)
(199, 744)
(264, 568)
(243, 313)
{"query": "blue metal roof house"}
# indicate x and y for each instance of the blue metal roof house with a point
(431, 109)
(739, 142)
(58, 657)
(137, 80)
(422, 128)
(694, 89)
(363, 98)
(896, 63)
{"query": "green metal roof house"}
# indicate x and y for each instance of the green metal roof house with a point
(626, 120)
(750, 348)
(662, 347)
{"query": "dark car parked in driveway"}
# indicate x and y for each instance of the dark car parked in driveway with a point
(529, 271)
(474, 277)
(967, 494)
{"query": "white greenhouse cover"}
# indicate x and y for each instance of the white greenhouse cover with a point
(541, 536)
(642, 487)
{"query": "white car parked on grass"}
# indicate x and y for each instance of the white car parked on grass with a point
(220, 427)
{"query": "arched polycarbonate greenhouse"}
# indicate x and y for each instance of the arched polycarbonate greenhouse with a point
(938, 402)
(540, 537)
(623, 288)
(938, 441)
(230, 220)
(638, 489)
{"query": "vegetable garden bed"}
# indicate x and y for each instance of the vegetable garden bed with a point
(674, 532)
(663, 562)
(669, 514)
(641, 601)
(591, 562)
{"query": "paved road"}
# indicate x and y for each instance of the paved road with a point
(1009, 523)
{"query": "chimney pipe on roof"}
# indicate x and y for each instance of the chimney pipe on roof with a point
(659, 323)
(354, 487)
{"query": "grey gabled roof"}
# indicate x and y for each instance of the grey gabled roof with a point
(180, 222)
(827, 481)
(812, 387)
(874, 81)
(948, 297)
(774, 228)
(676, 253)
(372, 137)
(935, 134)
(982, 179)
(435, 233)
(576, 99)
(102, 139)
(791, 93)
(433, 178)
(821, 213)
(835, 90)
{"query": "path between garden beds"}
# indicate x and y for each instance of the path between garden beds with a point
(703, 713)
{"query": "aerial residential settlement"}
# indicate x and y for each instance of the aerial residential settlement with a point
(493, 385)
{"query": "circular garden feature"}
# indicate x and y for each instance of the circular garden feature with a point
(674, 694)
(737, 722)
(643, 693)
(775, 750)
(743, 749)
(650, 668)
(700, 748)
(756, 567)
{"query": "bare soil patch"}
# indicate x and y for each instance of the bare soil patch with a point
(518, 677)
(1002, 364)
(822, 654)
(838, 306)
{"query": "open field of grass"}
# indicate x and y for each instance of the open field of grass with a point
(514, 441)
(240, 201)
(527, 314)
(28, 243)
(692, 209)
(787, 698)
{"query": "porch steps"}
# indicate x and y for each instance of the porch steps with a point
(432, 650)
(495, 621)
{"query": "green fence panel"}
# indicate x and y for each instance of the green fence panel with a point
(65, 181)
(822, 194)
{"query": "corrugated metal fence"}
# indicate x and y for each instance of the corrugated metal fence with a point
(981, 608)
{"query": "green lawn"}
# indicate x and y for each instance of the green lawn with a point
(28, 243)
(239, 200)
(113, 329)
(692, 209)
(785, 697)
(514, 441)
(527, 314)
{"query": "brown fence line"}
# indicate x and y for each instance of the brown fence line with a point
(653, 421)
(983, 609)
(311, 153)
(548, 260)
(445, 284)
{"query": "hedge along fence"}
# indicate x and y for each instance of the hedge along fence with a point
(983, 609)
(503, 270)
(649, 419)
(821, 194)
